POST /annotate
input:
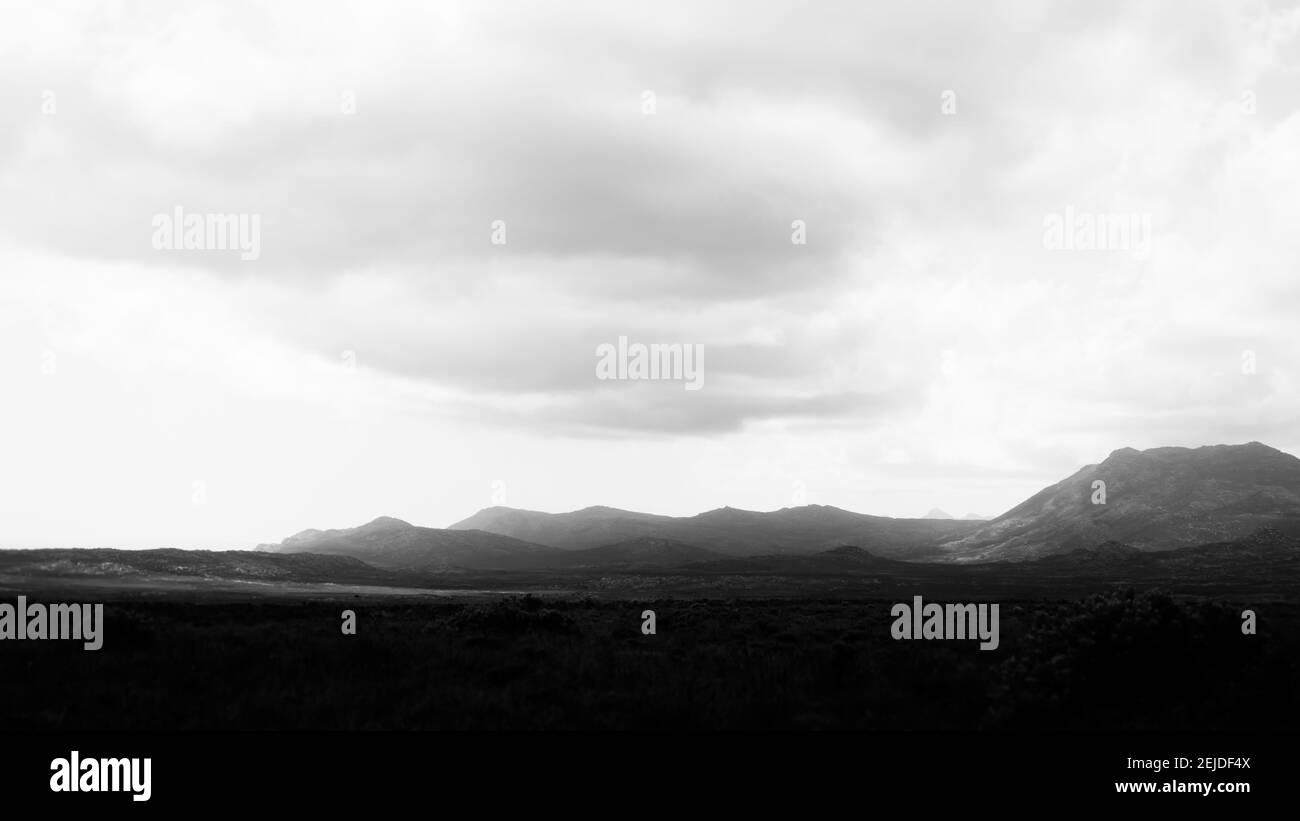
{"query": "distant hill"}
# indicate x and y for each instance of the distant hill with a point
(1266, 557)
(393, 543)
(1265, 560)
(1155, 499)
(1267, 553)
(587, 528)
(640, 553)
(936, 513)
(838, 561)
(728, 531)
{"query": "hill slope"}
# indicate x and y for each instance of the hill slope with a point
(1155, 499)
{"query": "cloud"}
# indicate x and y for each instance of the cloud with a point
(924, 328)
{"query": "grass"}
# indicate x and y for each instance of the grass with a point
(1115, 661)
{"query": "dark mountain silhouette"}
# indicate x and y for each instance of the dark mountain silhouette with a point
(1265, 559)
(587, 528)
(1267, 553)
(1155, 499)
(638, 553)
(392, 543)
(729, 531)
(839, 561)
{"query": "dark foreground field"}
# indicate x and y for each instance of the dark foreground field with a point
(1118, 660)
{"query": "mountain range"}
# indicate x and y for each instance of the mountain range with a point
(1152, 500)
(502, 538)
(728, 531)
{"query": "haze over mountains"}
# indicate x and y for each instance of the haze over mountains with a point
(393, 543)
(1158, 499)
(729, 531)
(500, 538)
(939, 513)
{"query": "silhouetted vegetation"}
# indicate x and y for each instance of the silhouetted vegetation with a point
(1120, 660)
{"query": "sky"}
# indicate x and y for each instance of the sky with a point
(878, 223)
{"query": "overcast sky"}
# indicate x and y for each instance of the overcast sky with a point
(925, 346)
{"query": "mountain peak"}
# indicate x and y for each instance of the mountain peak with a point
(388, 521)
(726, 510)
(601, 509)
(1123, 453)
(1154, 499)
